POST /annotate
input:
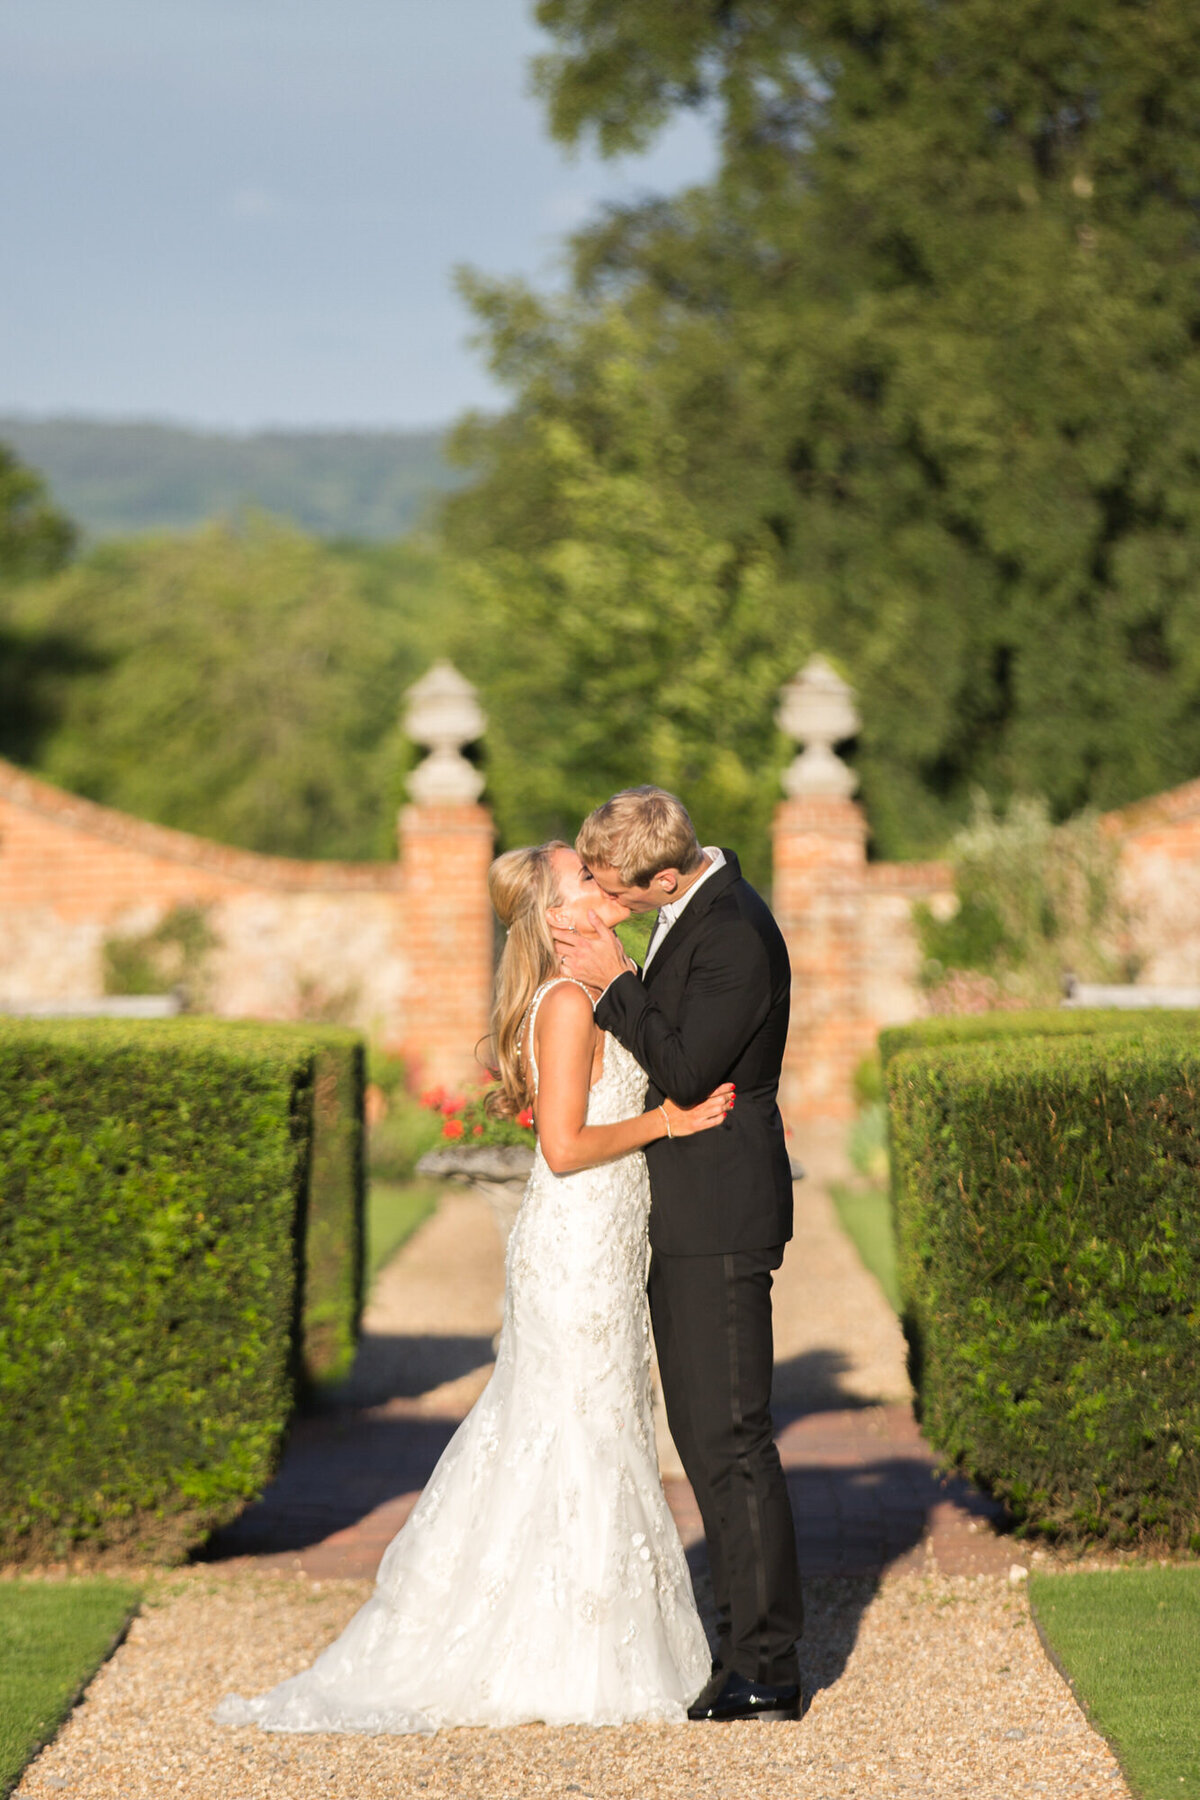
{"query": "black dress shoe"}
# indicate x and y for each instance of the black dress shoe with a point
(732, 1696)
(708, 1693)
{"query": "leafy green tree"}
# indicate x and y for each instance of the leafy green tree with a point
(633, 644)
(925, 351)
(35, 538)
(244, 682)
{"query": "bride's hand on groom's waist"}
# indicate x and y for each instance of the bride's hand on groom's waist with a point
(685, 1121)
(595, 960)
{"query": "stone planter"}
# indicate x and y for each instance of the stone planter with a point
(497, 1171)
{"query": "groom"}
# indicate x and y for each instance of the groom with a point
(710, 1005)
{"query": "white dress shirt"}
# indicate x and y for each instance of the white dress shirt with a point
(671, 911)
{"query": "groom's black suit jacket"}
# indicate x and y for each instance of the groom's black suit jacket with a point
(713, 1007)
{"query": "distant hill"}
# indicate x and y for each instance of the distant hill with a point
(117, 478)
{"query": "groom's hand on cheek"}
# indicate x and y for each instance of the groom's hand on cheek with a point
(596, 960)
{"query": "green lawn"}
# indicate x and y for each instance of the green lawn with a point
(53, 1638)
(1130, 1641)
(394, 1210)
(865, 1213)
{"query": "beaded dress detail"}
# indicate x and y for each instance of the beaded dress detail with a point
(540, 1575)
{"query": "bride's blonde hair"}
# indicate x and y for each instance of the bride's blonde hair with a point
(521, 884)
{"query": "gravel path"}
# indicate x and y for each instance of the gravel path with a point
(925, 1687)
(926, 1683)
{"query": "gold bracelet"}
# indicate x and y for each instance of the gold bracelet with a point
(662, 1109)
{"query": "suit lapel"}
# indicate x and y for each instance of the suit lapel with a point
(692, 914)
(643, 972)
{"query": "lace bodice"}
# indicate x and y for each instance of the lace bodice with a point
(540, 1576)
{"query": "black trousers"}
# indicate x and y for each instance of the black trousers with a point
(712, 1329)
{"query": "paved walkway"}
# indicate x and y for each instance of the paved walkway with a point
(865, 1492)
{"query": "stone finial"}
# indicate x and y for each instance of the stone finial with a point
(817, 709)
(444, 714)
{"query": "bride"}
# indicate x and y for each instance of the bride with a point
(540, 1575)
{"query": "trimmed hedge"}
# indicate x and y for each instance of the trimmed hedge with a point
(335, 1227)
(335, 1234)
(1064, 1021)
(1048, 1223)
(180, 1251)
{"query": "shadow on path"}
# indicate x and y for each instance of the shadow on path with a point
(865, 1489)
(390, 1366)
(813, 1382)
(833, 1613)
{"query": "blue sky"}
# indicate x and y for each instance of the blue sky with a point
(247, 212)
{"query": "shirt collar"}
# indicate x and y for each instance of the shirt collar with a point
(671, 911)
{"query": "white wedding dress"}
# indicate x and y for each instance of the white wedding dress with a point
(540, 1575)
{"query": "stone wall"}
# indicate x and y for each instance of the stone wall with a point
(391, 948)
(854, 948)
(404, 950)
(1160, 884)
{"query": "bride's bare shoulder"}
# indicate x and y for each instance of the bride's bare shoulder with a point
(566, 1007)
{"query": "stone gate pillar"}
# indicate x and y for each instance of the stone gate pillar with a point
(446, 846)
(820, 838)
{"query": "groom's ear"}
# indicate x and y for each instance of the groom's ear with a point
(665, 883)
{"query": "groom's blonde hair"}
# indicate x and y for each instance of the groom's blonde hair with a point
(640, 832)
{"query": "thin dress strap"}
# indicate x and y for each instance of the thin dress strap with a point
(531, 1013)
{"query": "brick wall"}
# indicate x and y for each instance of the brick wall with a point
(1160, 884)
(448, 936)
(854, 949)
(386, 947)
(854, 952)
(404, 950)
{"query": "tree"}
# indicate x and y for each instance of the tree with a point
(244, 682)
(632, 644)
(35, 538)
(925, 350)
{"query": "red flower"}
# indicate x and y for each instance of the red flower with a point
(433, 1098)
(452, 1103)
(453, 1128)
(477, 1131)
(526, 1118)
